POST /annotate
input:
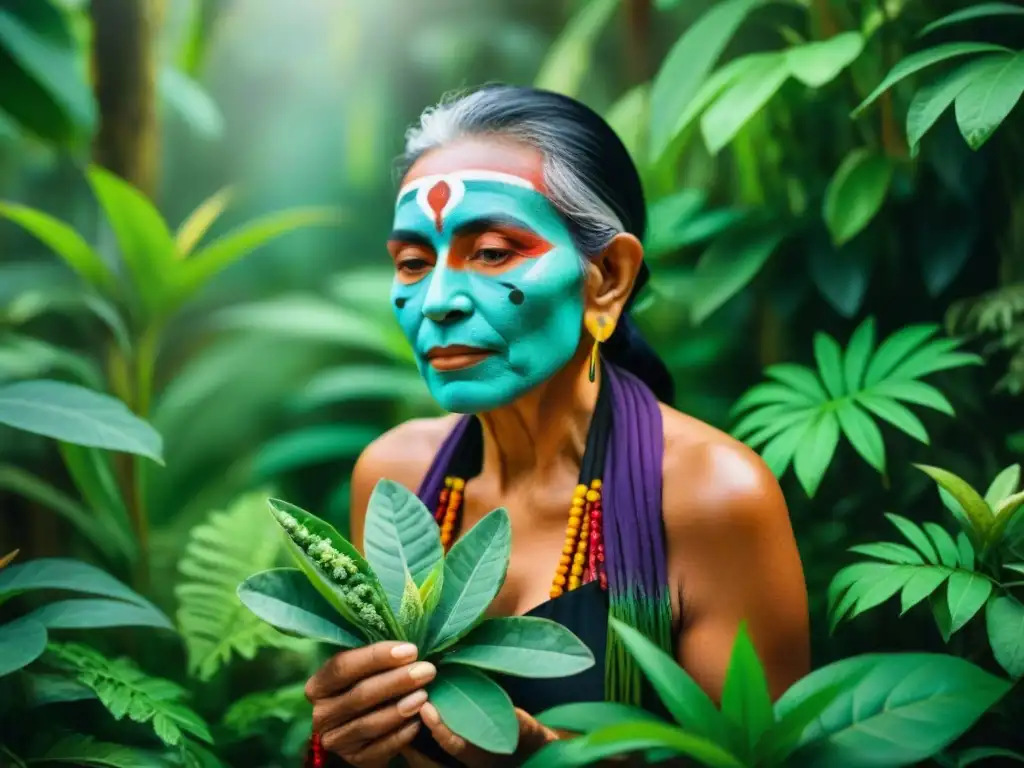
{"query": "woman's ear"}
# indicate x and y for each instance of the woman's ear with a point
(611, 275)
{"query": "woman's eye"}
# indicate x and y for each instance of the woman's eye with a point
(493, 257)
(412, 265)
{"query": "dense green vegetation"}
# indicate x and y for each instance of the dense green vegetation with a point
(193, 317)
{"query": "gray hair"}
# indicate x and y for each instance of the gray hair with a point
(485, 113)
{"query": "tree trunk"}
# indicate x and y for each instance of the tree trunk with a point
(125, 71)
(638, 31)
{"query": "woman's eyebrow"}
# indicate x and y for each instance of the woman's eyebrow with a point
(491, 222)
(410, 236)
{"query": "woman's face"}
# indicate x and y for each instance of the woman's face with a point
(488, 282)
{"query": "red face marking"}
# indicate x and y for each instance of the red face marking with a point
(528, 244)
(437, 199)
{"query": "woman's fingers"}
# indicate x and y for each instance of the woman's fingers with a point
(384, 749)
(358, 735)
(345, 669)
(454, 745)
(370, 694)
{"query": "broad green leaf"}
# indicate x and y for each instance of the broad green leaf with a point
(729, 264)
(185, 97)
(921, 585)
(474, 571)
(475, 708)
(931, 100)
(207, 262)
(890, 552)
(978, 512)
(324, 585)
(570, 57)
(829, 357)
(77, 415)
(949, 555)
(142, 236)
(965, 596)
(66, 574)
(82, 751)
(815, 451)
(977, 11)
(1006, 516)
(988, 98)
(65, 242)
(400, 534)
(863, 434)
(784, 736)
(898, 415)
(44, 689)
(745, 698)
(819, 62)
(284, 598)
(1003, 485)
(779, 451)
(858, 352)
(931, 360)
(915, 62)
(915, 536)
(943, 619)
(628, 118)
(22, 641)
(800, 378)
(966, 551)
(97, 614)
(626, 738)
(683, 698)
(198, 223)
(588, 716)
(856, 194)
(1004, 618)
(848, 576)
(686, 66)
(881, 590)
(914, 392)
(898, 709)
(740, 101)
(522, 646)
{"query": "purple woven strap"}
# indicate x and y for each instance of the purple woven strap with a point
(433, 482)
(634, 537)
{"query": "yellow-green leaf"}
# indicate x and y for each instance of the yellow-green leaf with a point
(855, 194)
(200, 220)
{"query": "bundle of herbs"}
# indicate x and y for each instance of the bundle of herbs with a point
(406, 588)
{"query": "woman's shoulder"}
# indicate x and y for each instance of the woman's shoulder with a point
(402, 454)
(712, 481)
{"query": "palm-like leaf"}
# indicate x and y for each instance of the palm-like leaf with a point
(222, 552)
(799, 416)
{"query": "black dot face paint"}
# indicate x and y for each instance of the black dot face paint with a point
(515, 296)
(400, 302)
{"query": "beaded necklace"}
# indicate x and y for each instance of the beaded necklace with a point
(582, 558)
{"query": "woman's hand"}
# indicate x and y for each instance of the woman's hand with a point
(532, 736)
(364, 701)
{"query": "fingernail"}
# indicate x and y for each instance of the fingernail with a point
(429, 714)
(422, 670)
(404, 651)
(411, 704)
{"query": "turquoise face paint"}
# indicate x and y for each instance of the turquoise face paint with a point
(530, 316)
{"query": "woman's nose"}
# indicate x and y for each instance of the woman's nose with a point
(447, 296)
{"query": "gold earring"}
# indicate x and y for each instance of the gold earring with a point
(601, 329)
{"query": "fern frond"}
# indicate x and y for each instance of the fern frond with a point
(799, 415)
(221, 553)
(248, 715)
(125, 690)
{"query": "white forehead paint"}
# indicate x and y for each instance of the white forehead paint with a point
(457, 177)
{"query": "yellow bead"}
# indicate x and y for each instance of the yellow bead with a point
(568, 549)
(574, 583)
(577, 559)
(448, 482)
(577, 502)
(555, 592)
(593, 495)
(575, 519)
(577, 570)
(560, 580)
(561, 570)
(595, 483)
(565, 559)
(580, 492)
(458, 483)
(573, 531)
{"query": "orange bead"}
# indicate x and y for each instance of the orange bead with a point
(565, 559)
(560, 580)
(561, 570)
(555, 592)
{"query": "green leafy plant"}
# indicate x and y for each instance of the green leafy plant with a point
(799, 416)
(977, 568)
(862, 711)
(407, 589)
(982, 92)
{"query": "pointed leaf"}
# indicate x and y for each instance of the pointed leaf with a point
(894, 349)
(966, 551)
(779, 452)
(771, 393)
(918, 61)
(77, 415)
(901, 709)
(522, 646)
(820, 62)
(798, 421)
(474, 571)
(683, 698)
(829, 357)
(973, 505)
(626, 738)
(882, 590)
(411, 614)
(890, 552)
(977, 754)
(977, 11)
(858, 352)
(200, 220)
(856, 194)
(284, 598)
(915, 536)
(800, 378)
(851, 574)
(921, 585)
(949, 555)
(83, 751)
(898, 415)
(1004, 484)
(743, 99)
(862, 433)
(1004, 618)
(588, 716)
(97, 614)
(400, 533)
(62, 573)
(570, 57)
(729, 264)
(782, 739)
(745, 698)
(475, 708)
(965, 596)
(815, 451)
(914, 392)
(22, 641)
(65, 242)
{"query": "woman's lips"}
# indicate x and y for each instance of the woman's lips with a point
(456, 357)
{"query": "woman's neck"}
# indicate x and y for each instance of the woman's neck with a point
(543, 430)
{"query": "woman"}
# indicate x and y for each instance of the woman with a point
(517, 249)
